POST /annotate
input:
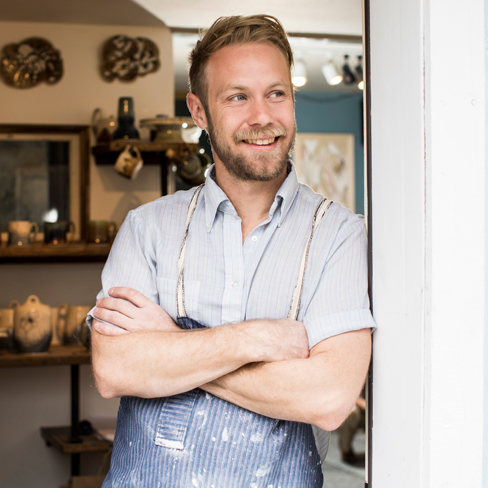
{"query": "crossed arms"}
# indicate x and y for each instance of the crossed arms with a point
(261, 365)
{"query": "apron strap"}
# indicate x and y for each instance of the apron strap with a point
(180, 290)
(297, 292)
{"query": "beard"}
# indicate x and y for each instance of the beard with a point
(269, 165)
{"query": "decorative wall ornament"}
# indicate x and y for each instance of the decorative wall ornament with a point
(30, 62)
(126, 58)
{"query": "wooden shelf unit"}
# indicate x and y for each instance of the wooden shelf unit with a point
(153, 153)
(57, 355)
(67, 439)
(60, 438)
(61, 253)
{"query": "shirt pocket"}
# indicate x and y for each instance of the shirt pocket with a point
(167, 296)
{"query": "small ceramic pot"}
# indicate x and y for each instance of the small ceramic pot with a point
(32, 326)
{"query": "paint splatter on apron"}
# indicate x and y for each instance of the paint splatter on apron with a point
(197, 440)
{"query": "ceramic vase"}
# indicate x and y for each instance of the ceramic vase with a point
(126, 129)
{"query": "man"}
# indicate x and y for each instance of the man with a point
(218, 386)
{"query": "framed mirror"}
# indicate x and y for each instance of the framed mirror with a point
(44, 176)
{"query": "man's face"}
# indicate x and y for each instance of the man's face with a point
(250, 116)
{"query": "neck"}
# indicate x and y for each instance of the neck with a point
(251, 199)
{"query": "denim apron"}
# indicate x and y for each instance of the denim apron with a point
(197, 440)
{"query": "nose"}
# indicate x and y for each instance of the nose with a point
(259, 113)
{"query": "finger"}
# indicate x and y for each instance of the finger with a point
(134, 296)
(118, 305)
(108, 330)
(113, 317)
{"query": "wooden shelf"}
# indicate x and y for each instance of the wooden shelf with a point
(152, 152)
(38, 253)
(56, 356)
(59, 437)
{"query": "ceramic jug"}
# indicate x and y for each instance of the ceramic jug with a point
(32, 326)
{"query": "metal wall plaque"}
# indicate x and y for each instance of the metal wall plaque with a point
(127, 58)
(30, 62)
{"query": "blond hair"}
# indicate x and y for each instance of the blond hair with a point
(234, 30)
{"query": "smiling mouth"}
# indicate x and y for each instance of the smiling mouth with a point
(264, 136)
(260, 142)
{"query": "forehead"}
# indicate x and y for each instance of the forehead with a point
(246, 65)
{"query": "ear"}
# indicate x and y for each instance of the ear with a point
(197, 111)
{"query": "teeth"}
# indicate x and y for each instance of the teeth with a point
(260, 142)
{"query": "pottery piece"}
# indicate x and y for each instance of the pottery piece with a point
(22, 232)
(74, 322)
(129, 162)
(7, 326)
(61, 323)
(126, 129)
(58, 232)
(85, 335)
(32, 326)
(100, 231)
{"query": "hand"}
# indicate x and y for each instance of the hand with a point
(130, 311)
(282, 339)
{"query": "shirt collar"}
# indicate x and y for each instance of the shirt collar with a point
(214, 196)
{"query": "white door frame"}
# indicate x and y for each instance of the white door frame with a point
(428, 248)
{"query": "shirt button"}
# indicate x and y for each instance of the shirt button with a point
(234, 283)
(254, 238)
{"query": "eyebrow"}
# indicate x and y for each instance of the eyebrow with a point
(244, 88)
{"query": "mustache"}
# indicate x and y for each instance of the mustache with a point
(264, 133)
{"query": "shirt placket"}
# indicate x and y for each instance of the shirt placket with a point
(234, 269)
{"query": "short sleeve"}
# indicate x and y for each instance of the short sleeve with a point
(131, 261)
(340, 301)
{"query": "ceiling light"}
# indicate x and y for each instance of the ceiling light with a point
(299, 73)
(348, 75)
(359, 73)
(331, 74)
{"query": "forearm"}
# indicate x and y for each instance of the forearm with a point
(161, 363)
(156, 363)
(320, 390)
(283, 390)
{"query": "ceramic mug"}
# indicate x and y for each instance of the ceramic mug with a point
(100, 231)
(129, 162)
(22, 232)
(57, 232)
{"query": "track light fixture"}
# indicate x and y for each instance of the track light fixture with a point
(331, 74)
(299, 73)
(359, 73)
(347, 74)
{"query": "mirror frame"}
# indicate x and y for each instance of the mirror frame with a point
(79, 169)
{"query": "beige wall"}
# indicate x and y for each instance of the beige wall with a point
(82, 89)
(35, 397)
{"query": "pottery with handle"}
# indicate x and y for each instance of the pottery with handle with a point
(32, 326)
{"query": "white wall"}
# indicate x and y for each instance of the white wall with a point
(428, 209)
(35, 397)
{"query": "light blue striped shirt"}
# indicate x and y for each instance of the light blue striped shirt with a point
(227, 281)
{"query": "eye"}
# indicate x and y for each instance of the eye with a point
(277, 94)
(238, 98)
